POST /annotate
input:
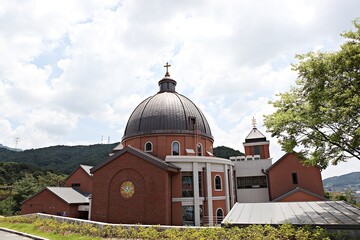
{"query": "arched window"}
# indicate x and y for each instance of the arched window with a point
(148, 147)
(175, 148)
(199, 149)
(218, 184)
(219, 215)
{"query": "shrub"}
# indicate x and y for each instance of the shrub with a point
(285, 231)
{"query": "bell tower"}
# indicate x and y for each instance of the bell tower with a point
(256, 144)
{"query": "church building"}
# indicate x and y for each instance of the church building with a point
(164, 172)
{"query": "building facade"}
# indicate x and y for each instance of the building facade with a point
(287, 180)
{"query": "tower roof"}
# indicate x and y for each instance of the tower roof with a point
(255, 136)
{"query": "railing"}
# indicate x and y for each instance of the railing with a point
(216, 220)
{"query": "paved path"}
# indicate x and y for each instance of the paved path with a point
(4, 235)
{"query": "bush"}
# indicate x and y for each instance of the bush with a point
(285, 231)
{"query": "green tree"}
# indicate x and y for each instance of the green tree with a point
(24, 188)
(51, 180)
(7, 206)
(321, 114)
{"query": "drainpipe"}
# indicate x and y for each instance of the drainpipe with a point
(171, 203)
(268, 182)
(235, 185)
(89, 214)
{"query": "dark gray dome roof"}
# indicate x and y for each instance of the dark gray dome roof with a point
(167, 112)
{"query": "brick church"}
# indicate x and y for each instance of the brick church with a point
(164, 172)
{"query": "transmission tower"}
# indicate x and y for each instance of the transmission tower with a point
(16, 142)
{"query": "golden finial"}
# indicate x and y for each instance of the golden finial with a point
(167, 65)
(253, 121)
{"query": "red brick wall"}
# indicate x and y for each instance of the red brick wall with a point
(177, 214)
(80, 176)
(300, 197)
(162, 143)
(217, 192)
(176, 185)
(151, 202)
(280, 178)
(264, 151)
(219, 204)
(47, 202)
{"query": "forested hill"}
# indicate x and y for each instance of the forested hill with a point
(64, 159)
(60, 159)
(340, 183)
(226, 152)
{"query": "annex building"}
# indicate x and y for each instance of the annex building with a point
(164, 172)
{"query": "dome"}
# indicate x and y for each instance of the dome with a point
(167, 112)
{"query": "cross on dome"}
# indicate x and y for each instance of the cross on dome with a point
(167, 65)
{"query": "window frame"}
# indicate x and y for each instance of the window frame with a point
(215, 187)
(145, 148)
(222, 215)
(201, 149)
(295, 179)
(248, 182)
(172, 148)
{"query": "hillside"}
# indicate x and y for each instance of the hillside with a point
(226, 152)
(64, 159)
(11, 172)
(61, 159)
(340, 183)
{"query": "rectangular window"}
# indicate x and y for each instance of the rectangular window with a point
(192, 123)
(187, 184)
(256, 150)
(251, 182)
(294, 178)
(188, 215)
(75, 185)
(200, 185)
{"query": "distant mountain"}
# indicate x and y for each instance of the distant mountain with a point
(9, 148)
(226, 152)
(340, 183)
(64, 159)
(60, 159)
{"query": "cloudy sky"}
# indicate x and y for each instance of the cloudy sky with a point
(71, 72)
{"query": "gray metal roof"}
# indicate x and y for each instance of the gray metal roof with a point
(328, 214)
(166, 112)
(69, 195)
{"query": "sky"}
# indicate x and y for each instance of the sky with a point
(71, 72)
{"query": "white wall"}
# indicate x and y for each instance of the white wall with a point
(252, 195)
(251, 168)
(248, 169)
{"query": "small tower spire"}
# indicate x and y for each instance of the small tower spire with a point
(253, 121)
(167, 65)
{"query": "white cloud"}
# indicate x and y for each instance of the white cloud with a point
(71, 71)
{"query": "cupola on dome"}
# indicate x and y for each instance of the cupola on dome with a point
(167, 112)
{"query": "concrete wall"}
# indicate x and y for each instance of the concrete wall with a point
(248, 169)
(251, 168)
(252, 195)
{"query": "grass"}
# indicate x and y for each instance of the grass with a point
(30, 229)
